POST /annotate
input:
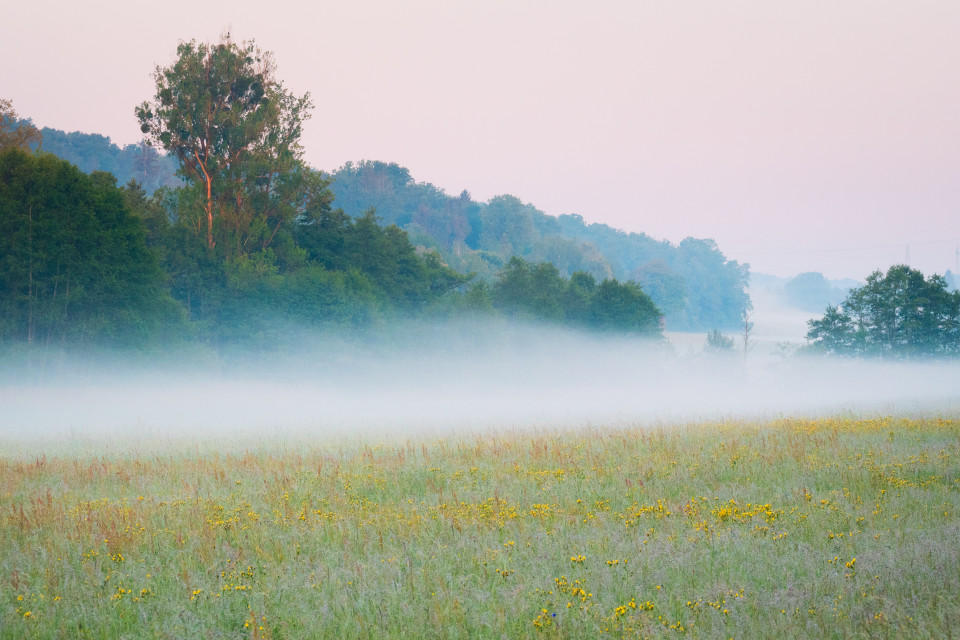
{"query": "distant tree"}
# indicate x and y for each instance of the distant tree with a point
(94, 152)
(88, 151)
(785, 349)
(811, 291)
(402, 278)
(529, 290)
(14, 132)
(236, 132)
(716, 287)
(539, 292)
(151, 212)
(570, 256)
(624, 307)
(835, 332)
(508, 226)
(719, 343)
(477, 297)
(578, 297)
(898, 315)
(747, 333)
(664, 286)
(146, 163)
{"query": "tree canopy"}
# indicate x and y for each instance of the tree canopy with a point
(74, 264)
(94, 152)
(899, 314)
(236, 132)
(693, 283)
(538, 291)
(14, 132)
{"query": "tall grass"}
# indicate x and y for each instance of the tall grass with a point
(791, 528)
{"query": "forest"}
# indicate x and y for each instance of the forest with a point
(214, 229)
(86, 262)
(692, 283)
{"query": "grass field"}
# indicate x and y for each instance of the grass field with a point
(790, 528)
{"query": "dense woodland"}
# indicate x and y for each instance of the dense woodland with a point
(241, 245)
(93, 152)
(84, 261)
(692, 283)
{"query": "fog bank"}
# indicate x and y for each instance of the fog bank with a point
(428, 379)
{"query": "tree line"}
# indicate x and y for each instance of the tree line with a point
(85, 262)
(248, 248)
(692, 283)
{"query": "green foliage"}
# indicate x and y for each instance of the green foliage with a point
(384, 256)
(14, 132)
(719, 343)
(578, 297)
(275, 252)
(665, 286)
(623, 306)
(894, 315)
(693, 283)
(75, 265)
(529, 290)
(477, 297)
(235, 131)
(330, 271)
(716, 287)
(265, 309)
(540, 292)
(94, 152)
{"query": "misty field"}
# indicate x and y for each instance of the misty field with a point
(792, 528)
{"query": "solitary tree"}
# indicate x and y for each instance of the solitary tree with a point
(719, 343)
(748, 340)
(234, 129)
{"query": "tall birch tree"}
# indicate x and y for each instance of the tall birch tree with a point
(235, 130)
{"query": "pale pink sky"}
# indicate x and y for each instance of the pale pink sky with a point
(816, 135)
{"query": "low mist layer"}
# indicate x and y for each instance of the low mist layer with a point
(420, 379)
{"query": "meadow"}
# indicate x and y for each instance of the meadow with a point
(833, 528)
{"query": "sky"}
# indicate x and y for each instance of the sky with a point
(801, 136)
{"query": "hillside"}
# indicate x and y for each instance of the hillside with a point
(94, 152)
(692, 282)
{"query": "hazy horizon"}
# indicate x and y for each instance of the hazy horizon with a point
(814, 137)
